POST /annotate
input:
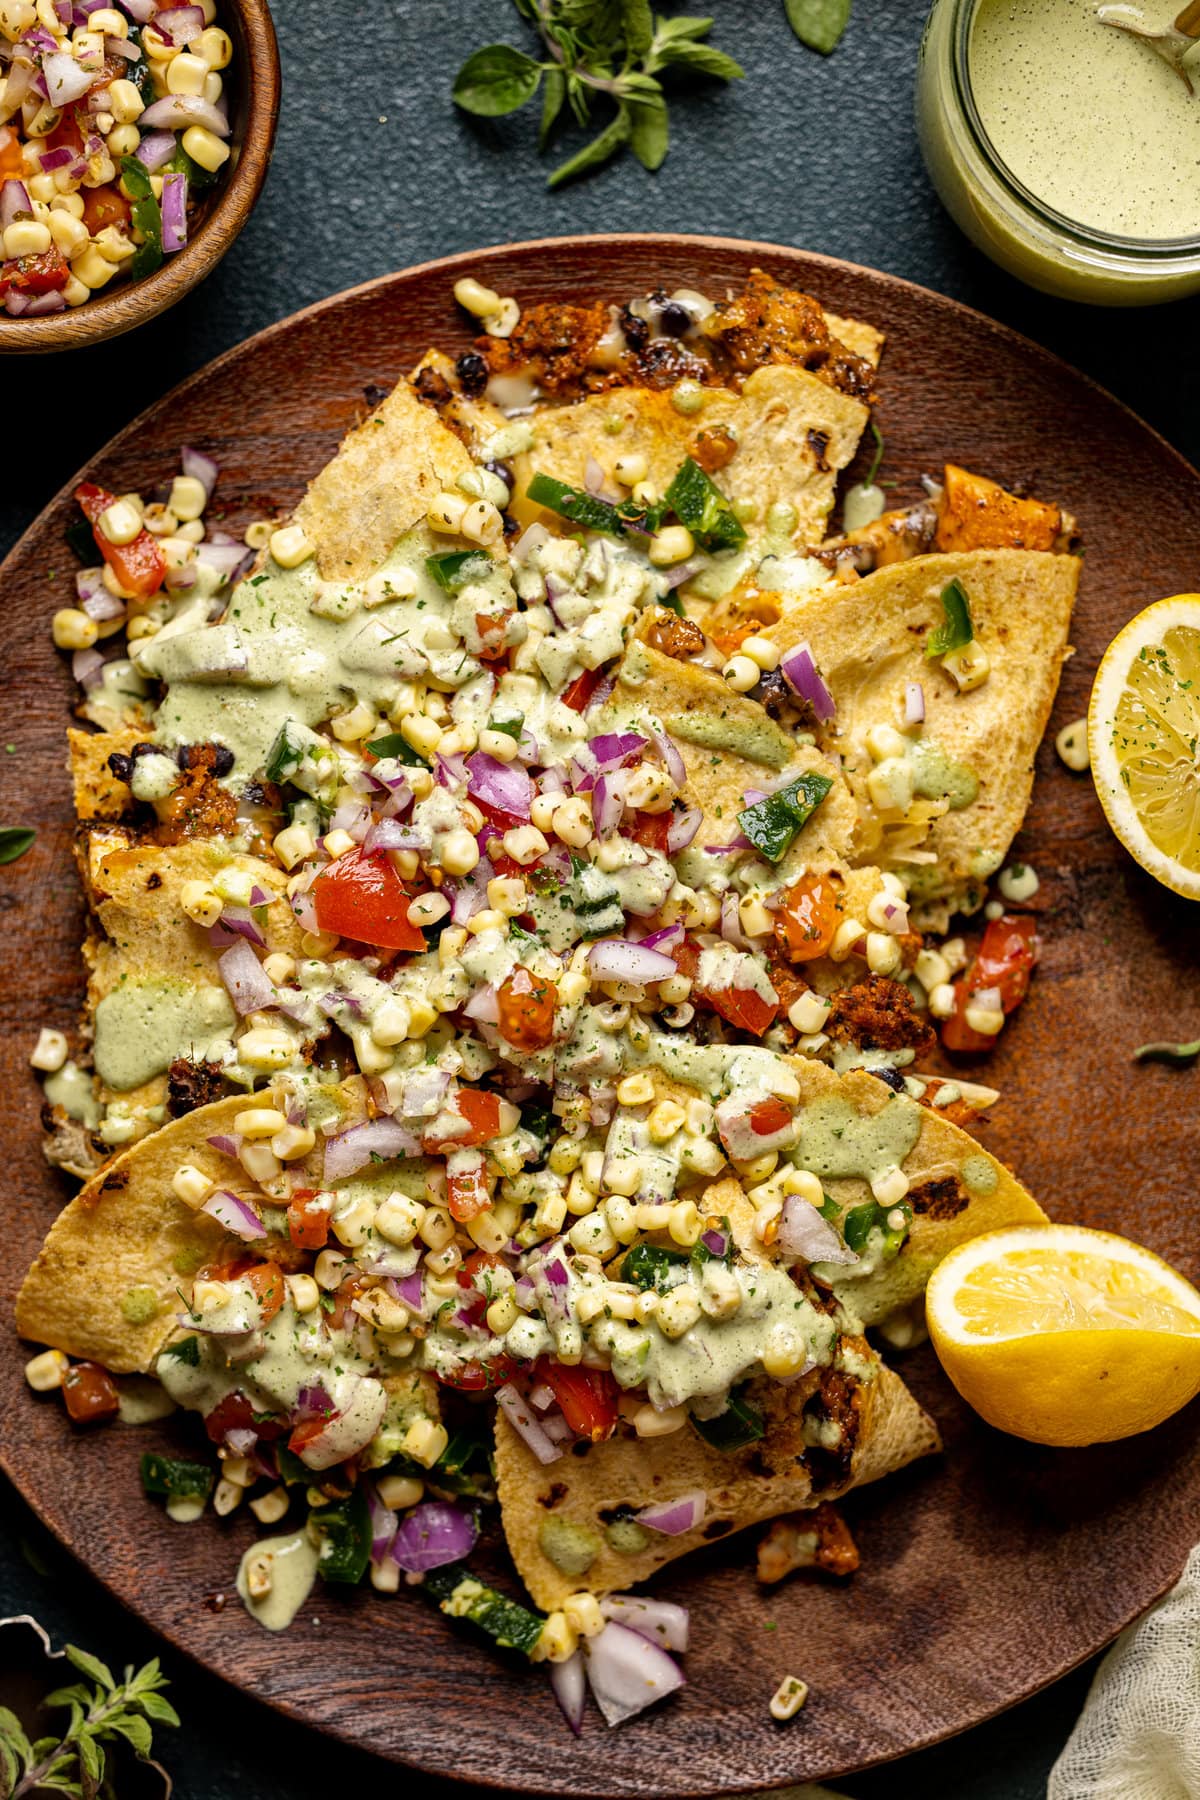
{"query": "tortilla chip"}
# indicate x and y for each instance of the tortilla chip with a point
(863, 339)
(744, 1488)
(956, 1191)
(125, 1246)
(728, 744)
(379, 485)
(98, 793)
(867, 639)
(794, 435)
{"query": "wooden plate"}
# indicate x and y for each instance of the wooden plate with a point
(986, 1573)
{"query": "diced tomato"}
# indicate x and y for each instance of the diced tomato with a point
(12, 160)
(467, 1193)
(343, 1299)
(502, 820)
(686, 957)
(490, 627)
(475, 1377)
(766, 1117)
(743, 1008)
(481, 1110)
(270, 1290)
(577, 695)
(235, 1413)
(90, 1393)
(66, 135)
(526, 1010)
(587, 1398)
(807, 921)
(304, 1434)
(42, 274)
(650, 830)
(1005, 962)
(140, 566)
(360, 896)
(104, 206)
(478, 1261)
(308, 1225)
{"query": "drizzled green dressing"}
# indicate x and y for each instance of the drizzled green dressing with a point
(293, 1565)
(837, 1141)
(142, 1026)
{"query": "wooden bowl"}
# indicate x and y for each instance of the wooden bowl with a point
(215, 220)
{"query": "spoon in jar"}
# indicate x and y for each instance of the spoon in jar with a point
(1172, 45)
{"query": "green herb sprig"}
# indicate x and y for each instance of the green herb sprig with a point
(102, 1710)
(612, 50)
(15, 840)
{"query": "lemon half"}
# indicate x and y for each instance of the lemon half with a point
(1144, 740)
(1065, 1335)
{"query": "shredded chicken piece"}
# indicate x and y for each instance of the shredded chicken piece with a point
(819, 1539)
(878, 1014)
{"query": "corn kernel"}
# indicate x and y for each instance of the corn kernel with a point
(678, 1310)
(969, 667)
(73, 630)
(446, 512)
(191, 1185)
(50, 1052)
(424, 1442)
(304, 1292)
(289, 546)
(942, 1000)
(206, 148)
(475, 298)
(635, 1090)
(293, 1141)
(848, 935)
(293, 844)
(44, 1373)
(788, 1698)
(742, 673)
(270, 1507)
(890, 1185)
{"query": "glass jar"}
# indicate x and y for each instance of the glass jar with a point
(1010, 224)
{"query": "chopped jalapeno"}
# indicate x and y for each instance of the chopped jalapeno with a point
(698, 503)
(187, 1350)
(861, 1221)
(461, 1596)
(581, 508)
(345, 1531)
(740, 1424)
(147, 217)
(957, 630)
(456, 568)
(649, 1266)
(176, 1479)
(397, 746)
(773, 822)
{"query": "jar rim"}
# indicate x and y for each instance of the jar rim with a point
(1088, 236)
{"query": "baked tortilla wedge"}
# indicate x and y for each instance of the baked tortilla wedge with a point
(577, 1498)
(974, 754)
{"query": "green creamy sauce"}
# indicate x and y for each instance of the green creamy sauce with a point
(756, 741)
(292, 1357)
(71, 1088)
(571, 1548)
(142, 1400)
(142, 1026)
(272, 658)
(712, 1068)
(713, 1356)
(1091, 120)
(293, 1564)
(979, 1175)
(835, 1140)
(936, 775)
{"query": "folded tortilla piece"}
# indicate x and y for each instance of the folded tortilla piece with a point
(867, 639)
(617, 1478)
(794, 435)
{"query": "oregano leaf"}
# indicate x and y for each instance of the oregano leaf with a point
(90, 1665)
(818, 23)
(616, 133)
(497, 80)
(649, 134)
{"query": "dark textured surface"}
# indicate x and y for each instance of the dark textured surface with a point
(806, 152)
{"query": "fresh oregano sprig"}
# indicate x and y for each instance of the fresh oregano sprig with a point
(101, 1710)
(607, 50)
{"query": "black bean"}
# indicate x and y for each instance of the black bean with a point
(223, 759)
(472, 372)
(121, 766)
(890, 1078)
(675, 319)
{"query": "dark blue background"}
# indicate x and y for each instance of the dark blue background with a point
(373, 171)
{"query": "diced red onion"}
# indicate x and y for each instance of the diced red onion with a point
(235, 1214)
(179, 577)
(352, 1150)
(431, 1535)
(55, 159)
(383, 1523)
(16, 87)
(241, 1442)
(683, 828)
(914, 703)
(613, 749)
(715, 1242)
(731, 923)
(176, 112)
(617, 959)
(246, 982)
(95, 598)
(627, 1673)
(115, 46)
(237, 921)
(313, 1401)
(520, 1417)
(569, 1682)
(800, 672)
(410, 1291)
(228, 1143)
(505, 786)
(671, 756)
(669, 937)
(803, 1232)
(156, 148)
(675, 1517)
(391, 834)
(195, 462)
(661, 1621)
(87, 667)
(181, 24)
(608, 805)
(988, 999)
(66, 78)
(424, 1091)
(484, 1005)
(140, 10)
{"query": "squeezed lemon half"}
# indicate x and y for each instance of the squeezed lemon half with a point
(1065, 1335)
(1144, 740)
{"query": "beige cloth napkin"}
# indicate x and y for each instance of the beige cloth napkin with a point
(1138, 1737)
